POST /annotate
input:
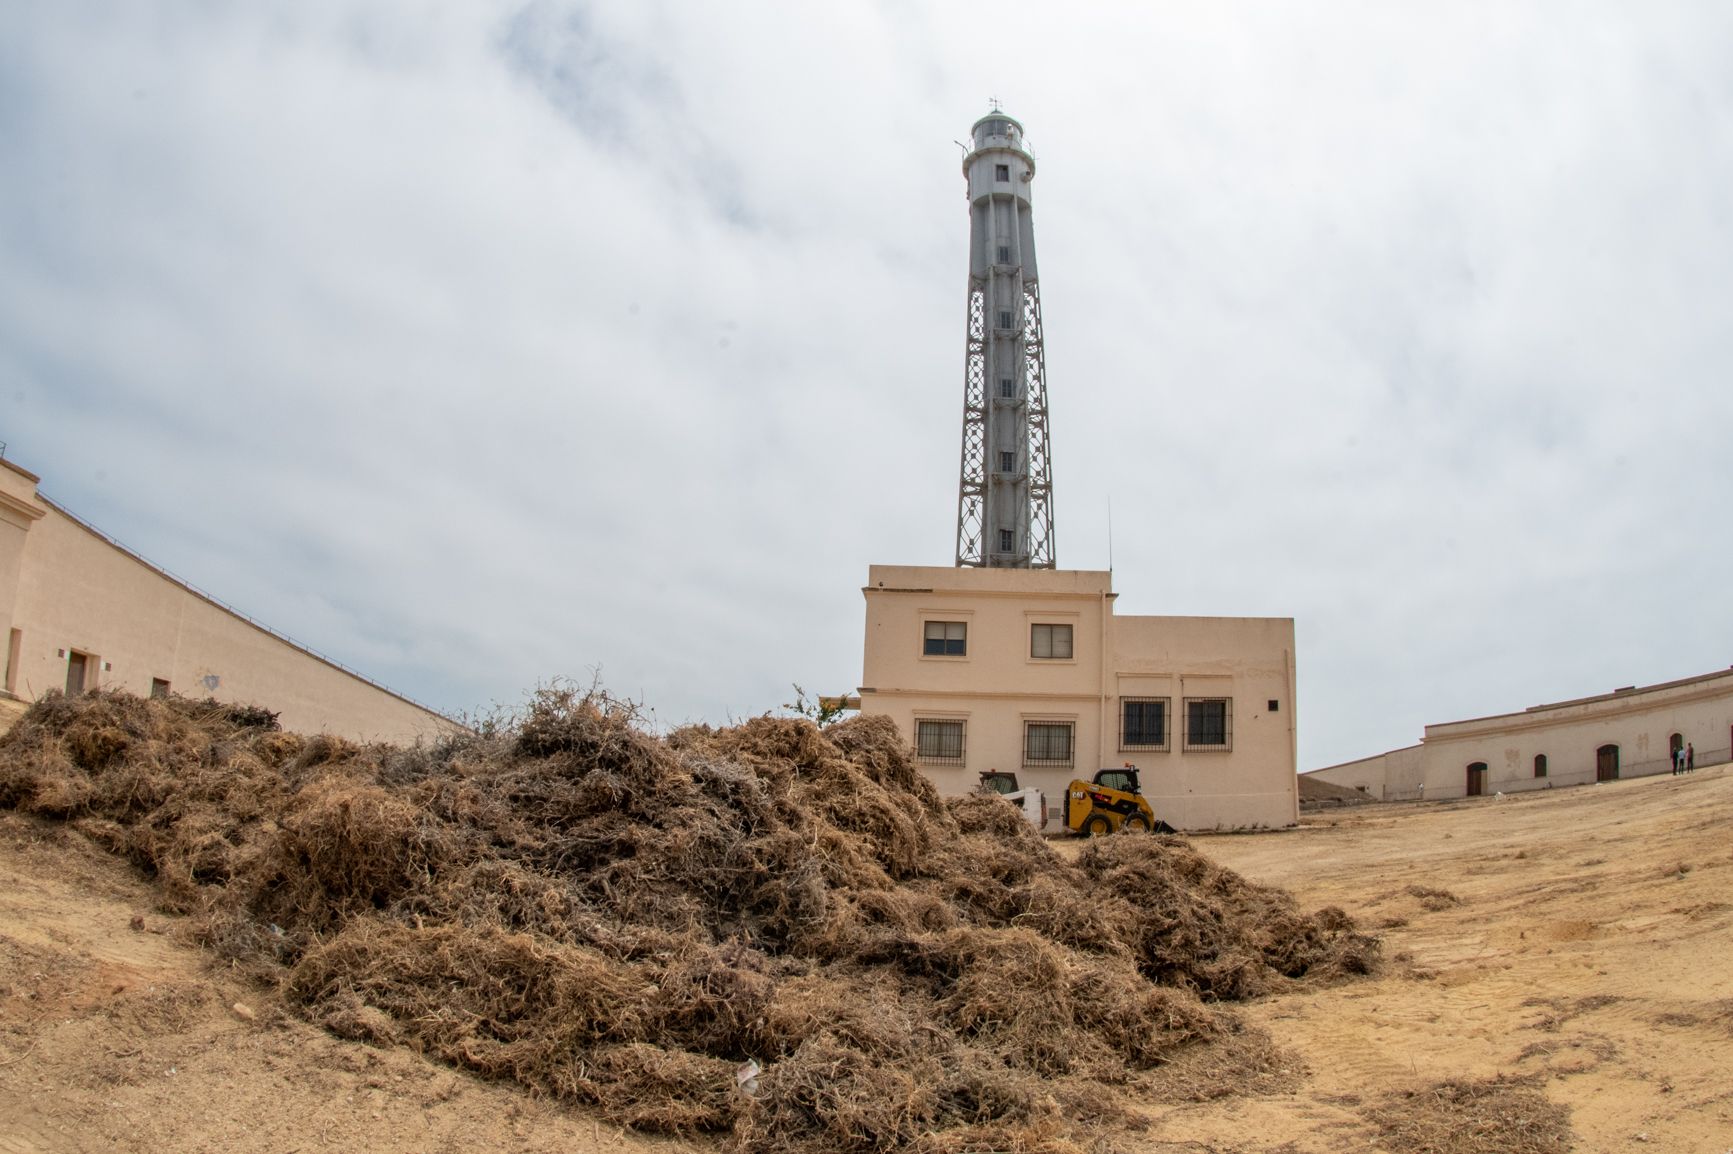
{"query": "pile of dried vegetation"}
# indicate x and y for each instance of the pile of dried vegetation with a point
(771, 932)
(1500, 1115)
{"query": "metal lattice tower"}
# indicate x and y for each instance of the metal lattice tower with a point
(1005, 494)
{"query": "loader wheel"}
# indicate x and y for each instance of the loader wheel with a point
(1135, 821)
(1096, 824)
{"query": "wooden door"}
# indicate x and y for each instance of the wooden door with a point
(1477, 779)
(75, 674)
(1607, 763)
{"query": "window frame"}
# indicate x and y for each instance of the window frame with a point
(1070, 653)
(1002, 174)
(1190, 742)
(1166, 743)
(1068, 761)
(942, 725)
(944, 639)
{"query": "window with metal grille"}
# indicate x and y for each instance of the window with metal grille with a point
(1007, 461)
(1004, 318)
(1007, 388)
(1001, 172)
(939, 742)
(1143, 723)
(946, 639)
(1007, 540)
(1047, 743)
(1050, 641)
(1004, 254)
(1209, 723)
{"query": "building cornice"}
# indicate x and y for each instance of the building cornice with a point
(1001, 594)
(11, 504)
(21, 471)
(976, 694)
(1707, 688)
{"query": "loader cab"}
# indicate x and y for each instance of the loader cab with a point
(1124, 779)
(997, 781)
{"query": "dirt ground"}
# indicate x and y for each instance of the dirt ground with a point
(1583, 937)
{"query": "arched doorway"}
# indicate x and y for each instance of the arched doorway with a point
(1540, 765)
(1477, 779)
(1607, 763)
(1675, 744)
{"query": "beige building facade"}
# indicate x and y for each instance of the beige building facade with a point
(81, 612)
(1630, 732)
(1031, 671)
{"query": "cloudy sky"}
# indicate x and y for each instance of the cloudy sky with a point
(481, 343)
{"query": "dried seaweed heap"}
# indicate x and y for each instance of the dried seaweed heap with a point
(626, 921)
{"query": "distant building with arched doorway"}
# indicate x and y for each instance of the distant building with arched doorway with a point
(1630, 732)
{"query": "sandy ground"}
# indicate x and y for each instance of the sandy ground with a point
(1586, 938)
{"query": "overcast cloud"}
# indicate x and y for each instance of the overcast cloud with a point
(476, 344)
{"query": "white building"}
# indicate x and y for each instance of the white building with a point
(1031, 671)
(1626, 733)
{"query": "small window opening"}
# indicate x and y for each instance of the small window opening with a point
(946, 639)
(1004, 318)
(158, 687)
(1209, 723)
(1004, 254)
(1002, 173)
(1050, 641)
(939, 741)
(1007, 388)
(1007, 540)
(1007, 461)
(1275, 706)
(1047, 743)
(1143, 723)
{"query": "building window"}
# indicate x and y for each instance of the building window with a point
(1540, 765)
(158, 687)
(1004, 254)
(939, 742)
(1047, 743)
(946, 639)
(1007, 461)
(1007, 388)
(1209, 723)
(1050, 641)
(1143, 723)
(1002, 172)
(1275, 706)
(1007, 541)
(1004, 318)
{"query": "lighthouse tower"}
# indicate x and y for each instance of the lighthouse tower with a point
(1005, 493)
